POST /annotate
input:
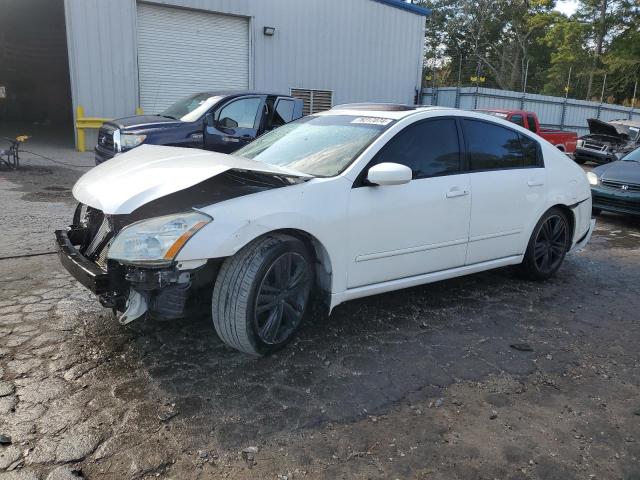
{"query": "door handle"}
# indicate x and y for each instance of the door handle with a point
(456, 192)
(535, 183)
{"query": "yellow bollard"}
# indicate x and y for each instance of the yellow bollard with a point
(83, 122)
(79, 130)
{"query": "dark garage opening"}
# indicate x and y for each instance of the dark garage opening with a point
(34, 71)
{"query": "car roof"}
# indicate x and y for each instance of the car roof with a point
(236, 93)
(394, 111)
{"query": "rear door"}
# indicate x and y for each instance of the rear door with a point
(280, 111)
(420, 227)
(235, 124)
(508, 186)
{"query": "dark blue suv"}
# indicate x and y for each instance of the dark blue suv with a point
(220, 121)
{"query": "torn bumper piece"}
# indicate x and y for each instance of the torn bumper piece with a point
(80, 267)
(132, 289)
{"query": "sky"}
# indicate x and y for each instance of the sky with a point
(568, 7)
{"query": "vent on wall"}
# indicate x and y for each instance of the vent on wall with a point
(313, 100)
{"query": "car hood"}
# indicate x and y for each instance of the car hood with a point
(149, 172)
(137, 122)
(620, 171)
(598, 127)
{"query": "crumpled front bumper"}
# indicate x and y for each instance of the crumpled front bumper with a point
(80, 267)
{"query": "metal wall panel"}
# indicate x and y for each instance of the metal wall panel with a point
(361, 50)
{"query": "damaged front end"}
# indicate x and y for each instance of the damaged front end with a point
(162, 287)
(129, 259)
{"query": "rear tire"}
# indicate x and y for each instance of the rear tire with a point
(262, 293)
(596, 211)
(547, 246)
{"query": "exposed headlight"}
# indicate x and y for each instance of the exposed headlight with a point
(593, 178)
(130, 140)
(579, 143)
(157, 240)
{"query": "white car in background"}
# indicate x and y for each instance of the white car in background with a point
(355, 201)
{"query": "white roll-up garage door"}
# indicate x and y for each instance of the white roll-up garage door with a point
(181, 52)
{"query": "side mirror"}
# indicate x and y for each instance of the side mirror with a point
(208, 120)
(227, 122)
(389, 174)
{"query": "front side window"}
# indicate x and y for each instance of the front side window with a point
(491, 147)
(318, 145)
(240, 113)
(429, 148)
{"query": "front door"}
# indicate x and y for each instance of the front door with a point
(419, 227)
(508, 187)
(234, 124)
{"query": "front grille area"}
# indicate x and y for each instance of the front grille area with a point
(630, 187)
(99, 238)
(100, 231)
(594, 146)
(105, 138)
(616, 203)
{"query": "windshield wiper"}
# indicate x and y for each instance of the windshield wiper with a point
(168, 116)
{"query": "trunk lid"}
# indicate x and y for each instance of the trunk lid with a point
(149, 172)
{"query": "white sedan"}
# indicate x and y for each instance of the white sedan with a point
(355, 201)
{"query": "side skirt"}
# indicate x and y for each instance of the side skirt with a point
(388, 286)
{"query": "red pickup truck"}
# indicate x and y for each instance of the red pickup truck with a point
(565, 141)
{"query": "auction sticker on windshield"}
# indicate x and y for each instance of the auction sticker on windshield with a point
(372, 120)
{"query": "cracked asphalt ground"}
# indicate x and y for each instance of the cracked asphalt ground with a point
(422, 383)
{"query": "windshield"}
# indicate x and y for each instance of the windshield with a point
(191, 108)
(632, 156)
(322, 146)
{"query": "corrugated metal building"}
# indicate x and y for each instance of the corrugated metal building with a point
(125, 54)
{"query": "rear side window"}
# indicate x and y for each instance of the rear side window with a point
(531, 120)
(493, 147)
(428, 148)
(530, 151)
(283, 113)
(518, 120)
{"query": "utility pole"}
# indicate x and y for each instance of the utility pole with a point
(526, 74)
(566, 89)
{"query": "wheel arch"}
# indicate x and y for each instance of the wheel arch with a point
(571, 217)
(322, 261)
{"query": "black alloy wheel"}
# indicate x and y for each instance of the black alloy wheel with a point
(282, 297)
(548, 245)
(551, 243)
(261, 294)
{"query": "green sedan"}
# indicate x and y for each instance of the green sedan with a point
(615, 186)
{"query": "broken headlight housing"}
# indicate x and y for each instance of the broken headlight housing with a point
(158, 240)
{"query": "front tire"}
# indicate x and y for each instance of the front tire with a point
(262, 293)
(547, 246)
(596, 211)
